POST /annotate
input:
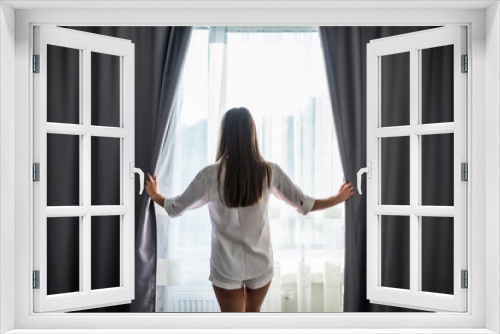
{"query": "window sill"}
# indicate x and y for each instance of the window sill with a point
(256, 331)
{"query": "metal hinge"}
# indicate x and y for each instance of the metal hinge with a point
(465, 279)
(36, 63)
(36, 279)
(464, 171)
(465, 64)
(36, 172)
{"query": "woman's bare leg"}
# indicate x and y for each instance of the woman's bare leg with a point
(230, 300)
(255, 298)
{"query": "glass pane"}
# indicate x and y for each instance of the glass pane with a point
(437, 254)
(437, 169)
(63, 85)
(395, 89)
(395, 170)
(105, 250)
(105, 89)
(437, 84)
(63, 255)
(105, 171)
(395, 253)
(63, 170)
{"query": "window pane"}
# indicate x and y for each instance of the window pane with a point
(395, 81)
(395, 169)
(105, 250)
(63, 170)
(105, 84)
(63, 255)
(437, 254)
(437, 84)
(437, 169)
(395, 251)
(63, 85)
(105, 171)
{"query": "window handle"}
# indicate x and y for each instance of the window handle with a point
(368, 171)
(141, 175)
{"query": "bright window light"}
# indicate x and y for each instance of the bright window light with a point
(279, 75)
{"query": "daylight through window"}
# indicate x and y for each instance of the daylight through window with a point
(279, 75)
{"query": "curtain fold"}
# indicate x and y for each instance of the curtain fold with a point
(159, 57)
(344, 50)
(175, 54)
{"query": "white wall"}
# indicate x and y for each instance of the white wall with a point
(492, 166)
(7, 164)
(278, 17)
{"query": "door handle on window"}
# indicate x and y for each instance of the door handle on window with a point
(368, 171)
(133, 170)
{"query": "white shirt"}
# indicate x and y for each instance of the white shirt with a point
(241, 240)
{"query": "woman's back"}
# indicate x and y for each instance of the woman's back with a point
(241, 241)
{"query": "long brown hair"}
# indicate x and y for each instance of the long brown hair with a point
(246, 171)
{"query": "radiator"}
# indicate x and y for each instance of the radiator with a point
(194, 299)
(193, 305)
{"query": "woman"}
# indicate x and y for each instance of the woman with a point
(237, 188)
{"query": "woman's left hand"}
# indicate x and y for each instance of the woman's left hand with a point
(345, 191)
(151, 186)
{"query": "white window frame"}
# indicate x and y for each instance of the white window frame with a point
(413, 43)
(85, 43)
(484, 49)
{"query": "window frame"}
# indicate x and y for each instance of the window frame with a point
(85, 43)
(413, 44)
(476, 316)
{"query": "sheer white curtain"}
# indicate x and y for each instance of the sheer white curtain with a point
(278, 73)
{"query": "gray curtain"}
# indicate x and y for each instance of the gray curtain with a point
(159, 57)
(345, 58)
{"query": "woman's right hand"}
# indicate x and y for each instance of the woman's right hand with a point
(152, 190)
(345, 191)
(151, 186)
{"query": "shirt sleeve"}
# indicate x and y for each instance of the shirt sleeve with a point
(286, 190)
(195, 195)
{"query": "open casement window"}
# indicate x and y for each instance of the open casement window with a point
(416, 173)
(80, 138)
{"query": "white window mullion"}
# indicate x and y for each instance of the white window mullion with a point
(108, 210)
(419, 170)
(378, 244)
(81, 253)
(419, 129)
(433, 129)
(414, 167)
(104, 131)
(81, 130)
(434, 211)
(406, 210)
(60, 129)
(86, 171)
(67, 129)
(122, 272)
(392, 131)
(392, 210)
(80, 211)
(85, 275)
